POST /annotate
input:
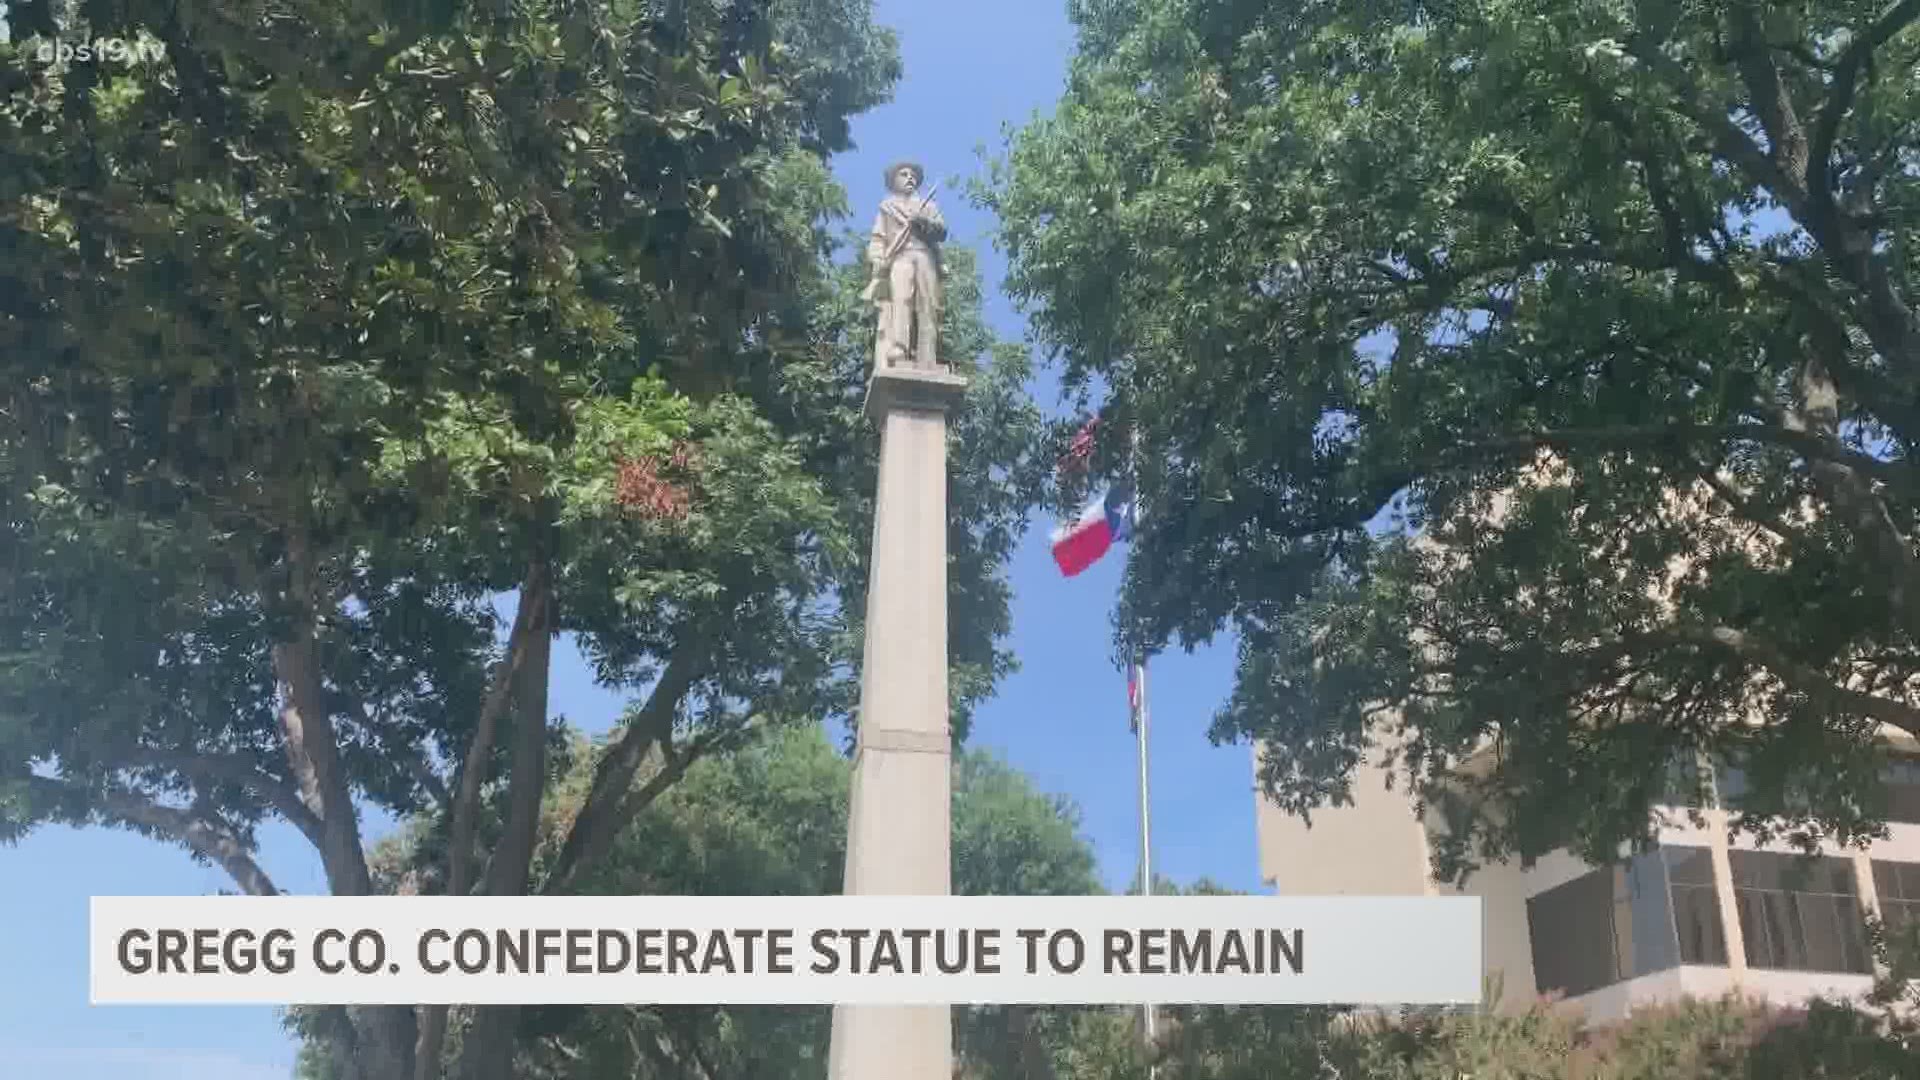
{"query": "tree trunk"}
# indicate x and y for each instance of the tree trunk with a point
(507, 873)
(488, 1051)
(384, 1037)
(1030, 1058)
(313, 755)
(609, 799)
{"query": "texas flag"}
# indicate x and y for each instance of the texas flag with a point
(1104, 522)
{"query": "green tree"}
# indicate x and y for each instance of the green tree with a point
(1009, 840)
(1608, 303)
(337, 322)
(770, 819)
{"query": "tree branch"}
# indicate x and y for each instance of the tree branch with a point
(416, 767)
(683, 1022)
(527, 646)
(1804, 678)
(1715, 119)
(600, 817)
(242, 771)
(1745, 509)
(1868, 389)
(1772, 102)
(429, 1043)
(312, 746)
(1627, 436)
(205, 837)
(1674, 225)
(1840, 96)
(527, 778)
(473, 771)
(1848, 490)
(674, 764)
(334, 1027)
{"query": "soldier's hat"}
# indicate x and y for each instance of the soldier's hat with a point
(919, 173)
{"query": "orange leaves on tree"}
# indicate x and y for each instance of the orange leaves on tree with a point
(658, 487)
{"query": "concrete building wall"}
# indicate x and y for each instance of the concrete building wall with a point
(1375, 847)
(1503, 888)
(1902, 843)
(1611, 1003)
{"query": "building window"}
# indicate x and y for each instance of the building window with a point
(1898, 885)
(1688, 781)
(1903, 791)
(1647, 914)
(1901, 777)
(1571, 929)
(1696, 906)
(1799, 913)
(1729, 786)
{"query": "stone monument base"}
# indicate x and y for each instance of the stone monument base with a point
(914, 389)
(899, 830)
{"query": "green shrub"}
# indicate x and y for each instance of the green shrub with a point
(1731, 1038)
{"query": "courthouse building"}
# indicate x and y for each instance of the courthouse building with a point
(1699, 915)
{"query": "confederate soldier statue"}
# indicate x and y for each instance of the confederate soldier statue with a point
(903, 257)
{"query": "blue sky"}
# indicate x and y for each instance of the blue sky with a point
(970, 69)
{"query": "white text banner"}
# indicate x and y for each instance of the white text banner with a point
(894, 950)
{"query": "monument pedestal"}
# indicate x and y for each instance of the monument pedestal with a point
(899, 830)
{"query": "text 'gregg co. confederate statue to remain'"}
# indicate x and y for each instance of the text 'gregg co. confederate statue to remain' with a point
(903, 256)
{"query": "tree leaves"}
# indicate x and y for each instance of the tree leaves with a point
(770, 820)
(343, 320)
(1549, 292)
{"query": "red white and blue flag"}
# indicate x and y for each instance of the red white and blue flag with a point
(1104, 522)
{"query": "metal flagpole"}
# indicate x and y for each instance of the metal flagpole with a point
(1141, 718)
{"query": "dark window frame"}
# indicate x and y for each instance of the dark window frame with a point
(1694, 900)
(1897, 887)
(1800, 913)
(1902, 778)
(1624, 921)
(1564, 958)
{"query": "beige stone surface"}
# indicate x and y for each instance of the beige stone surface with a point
(900, 821)
(1374, 846)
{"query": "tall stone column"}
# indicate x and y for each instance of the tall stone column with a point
(899, 832)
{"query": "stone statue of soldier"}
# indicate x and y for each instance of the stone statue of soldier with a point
(903, 257)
